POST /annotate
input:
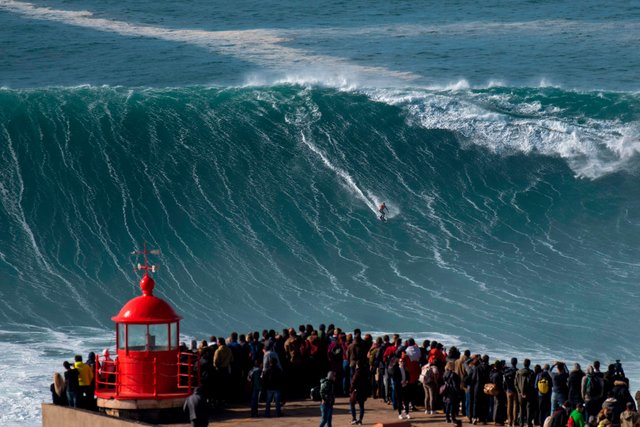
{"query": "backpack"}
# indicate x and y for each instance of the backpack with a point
(315, 394)
(529, 381)
(594, 387)
(449, 387)
(509, 379)
(430, 377)
(373, 357)
(543, 385)
(423, 374)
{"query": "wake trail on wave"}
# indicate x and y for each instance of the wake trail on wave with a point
(371, 200)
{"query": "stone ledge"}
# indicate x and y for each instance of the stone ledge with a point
(63, 416)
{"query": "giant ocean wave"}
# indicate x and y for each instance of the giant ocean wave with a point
(514, 212)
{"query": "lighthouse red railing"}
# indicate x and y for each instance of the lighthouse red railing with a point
(112, 383)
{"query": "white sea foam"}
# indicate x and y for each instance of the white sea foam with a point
(591, 147)
(260, 46)
(319, 78)
(466, 28)
(29, 358)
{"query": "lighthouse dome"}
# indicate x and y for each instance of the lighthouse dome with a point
(146, 308)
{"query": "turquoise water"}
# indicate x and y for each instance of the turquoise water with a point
(252, 147)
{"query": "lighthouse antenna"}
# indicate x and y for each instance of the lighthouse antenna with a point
(145, 252)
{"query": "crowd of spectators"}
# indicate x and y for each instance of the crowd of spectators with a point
(271, 367)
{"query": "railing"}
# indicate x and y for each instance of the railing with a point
(112, 382)
(188, 375)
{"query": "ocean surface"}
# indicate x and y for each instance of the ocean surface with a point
(252, 141)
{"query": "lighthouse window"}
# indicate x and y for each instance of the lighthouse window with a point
(137, 337)
(122, 338)
(160, 337)
(173, 335)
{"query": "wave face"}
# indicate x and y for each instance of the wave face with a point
(512, 211)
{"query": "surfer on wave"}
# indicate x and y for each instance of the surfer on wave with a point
(382, 209)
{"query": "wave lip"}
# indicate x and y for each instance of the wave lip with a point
(525, 120)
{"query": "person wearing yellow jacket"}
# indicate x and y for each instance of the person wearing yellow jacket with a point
(85, 377)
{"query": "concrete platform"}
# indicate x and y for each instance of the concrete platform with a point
(305, 413)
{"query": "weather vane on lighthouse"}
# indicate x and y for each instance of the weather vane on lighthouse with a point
(146, 283)
(146, 267)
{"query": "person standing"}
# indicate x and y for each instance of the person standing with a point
(559, 390)
(254, 378)
(91, 391)
(107, 370)
(575, 385)
(400, 378)
(499, 400)
(327, 394)
(592, 389)
(382, 209)
(480, 377)
(272, 382)
(524, 382)
(431, 379)
(461, 370)
(71, 384)
(452, 391)
(196, 408)
(58, 393)
(222, 360)
(360, 386)
(509, 376)
(85, 378)
(543, 385)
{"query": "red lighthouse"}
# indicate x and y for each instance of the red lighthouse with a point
(150, 377)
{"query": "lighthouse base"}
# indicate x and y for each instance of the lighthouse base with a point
(145, 410)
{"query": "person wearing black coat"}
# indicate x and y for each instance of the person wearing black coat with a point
(452, 392)
(196, 408)
(360, 386)
(58, 392)
(480, 377)
(622, 396)
(574, 383)
(71, 384)
(499, 400)
(400, 378)
(559, 389)
(272, 381)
